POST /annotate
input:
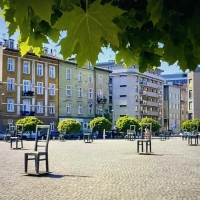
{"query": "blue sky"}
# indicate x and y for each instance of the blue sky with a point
(103, 57)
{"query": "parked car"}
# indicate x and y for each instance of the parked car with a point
(2, 135)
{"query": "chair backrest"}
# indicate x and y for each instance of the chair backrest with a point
(20, 129)
(12, 131)
(38, 128)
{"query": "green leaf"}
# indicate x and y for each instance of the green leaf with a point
(129, 57)
(97, 22)
(155, 8)
(148, 61)
(54, 34)
(12, 27)
(40, 11)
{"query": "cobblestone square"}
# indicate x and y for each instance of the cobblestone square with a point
(104, 170)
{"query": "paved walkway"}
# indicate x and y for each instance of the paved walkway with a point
(104, 170)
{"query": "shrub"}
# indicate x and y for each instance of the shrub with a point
(69, 126)
(123, 123)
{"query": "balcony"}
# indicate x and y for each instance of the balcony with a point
(151, 103)
(152, 94)
(101, 100)
(142, 92)
(143, 112)
(154, 85)
(153, 113)
(27, 113)
(143, 82)
(27, 94)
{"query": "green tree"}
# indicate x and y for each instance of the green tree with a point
(191, 125)
(123, 123)
(100, 123)
(69, 126)
(139, 32)
(29, 123)
(155, 125)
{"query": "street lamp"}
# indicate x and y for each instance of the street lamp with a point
(1, 93)
(113, 118)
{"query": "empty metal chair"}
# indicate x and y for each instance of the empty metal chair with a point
(38, 155)
(17, 136)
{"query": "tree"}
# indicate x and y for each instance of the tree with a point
(140, 32)
(29, 123)
(123, 123)
(191, 125)
(100, 123)
(155, 125)
(69, 126)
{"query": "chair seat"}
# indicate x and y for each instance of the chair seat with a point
(36, 153)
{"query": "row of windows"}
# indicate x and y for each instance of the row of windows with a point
(27, 86)
(173, 116)
(173, 96)
(27, 106)
(80, 76)
(174, 106)
(27, 68)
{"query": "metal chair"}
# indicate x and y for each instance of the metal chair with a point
(39, 155)
(18, 136)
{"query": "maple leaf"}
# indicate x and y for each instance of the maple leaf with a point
(87, 29)
(155, 7)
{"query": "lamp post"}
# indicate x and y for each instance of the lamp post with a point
(113, 118)
(1, 93)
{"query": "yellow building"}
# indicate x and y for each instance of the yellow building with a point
(29, 86)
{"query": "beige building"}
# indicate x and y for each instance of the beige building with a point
(194, 94)
(83, 92)
(172, 108)
(136, 94)
(29, 86)
(184, 103)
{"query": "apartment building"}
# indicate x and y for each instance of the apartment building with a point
(172, 108)
(194, 94)
(175, 79)
(29, 86)
(83, 92)
(136, 94)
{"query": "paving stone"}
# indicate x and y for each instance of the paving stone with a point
(104, 170)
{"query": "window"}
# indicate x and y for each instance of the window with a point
(136, 88)
(177, 106)
(10, 105)
(52, 89)
(39, 107)
(122, 86)
(90, 94)
(40, 69)
(80, 92)
(177, 117)
(52, 108)
(68, 90)
(79, 76)
(39, 87)
(174, 96)
(100, 80)
(174, 106)
(190, 81)
(170, 116)
(26, 85)
(190, 105)
(90, 109)
(11, 65)
(171, 105)
(68, 108)
(79, 109)
(68, 74)
(11, 84)
(51, 71)
(26, 67)
(170, 95)
(99, 111)
(136, 108)
(190, 94)
(122, 106)
(90, 78)
(122, 95)
(178, 96)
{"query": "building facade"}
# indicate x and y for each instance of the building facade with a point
(172, 108)
(175, 79)
(30, 86)
(135, 94)
(194, 94)
(83, 92)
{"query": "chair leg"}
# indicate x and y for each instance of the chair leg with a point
(26, 162)
(37, 164)
(21, 143)
(47, 163)
(11, 143)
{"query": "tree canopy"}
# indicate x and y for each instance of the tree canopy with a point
(155, 125)
(124, 123)
(142, 32)
(69, 126)
(100, 123)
